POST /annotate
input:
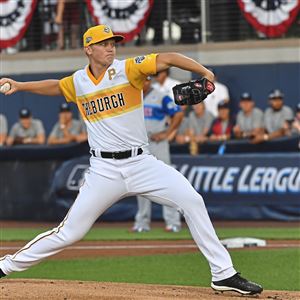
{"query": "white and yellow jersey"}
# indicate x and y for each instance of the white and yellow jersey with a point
(112, 105)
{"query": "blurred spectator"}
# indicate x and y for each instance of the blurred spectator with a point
(277, 119)
(165, 83)
(50, 28)
(296, 121)
(182, 134)
(82, 137)
(156, 21)
(220, 94)
(187, 16)
(199, 123)
(68, 19)
(226, 22)
(221, 128)
(27, 130)
(3, 129)
(157, 106)
(32, 40)
(67, 129)
(250, 119)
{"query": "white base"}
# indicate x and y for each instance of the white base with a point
(241, 242)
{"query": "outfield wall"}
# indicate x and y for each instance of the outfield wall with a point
(41, 183)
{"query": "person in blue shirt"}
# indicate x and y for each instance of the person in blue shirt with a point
(158, 108)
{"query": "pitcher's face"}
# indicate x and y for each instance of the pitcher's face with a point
(102, 52)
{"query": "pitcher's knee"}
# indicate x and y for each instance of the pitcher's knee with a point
(72, 235)
(199, 203)
(193, 203)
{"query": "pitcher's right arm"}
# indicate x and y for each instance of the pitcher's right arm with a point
(49, 87)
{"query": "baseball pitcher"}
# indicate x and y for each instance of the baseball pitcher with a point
(108, 93)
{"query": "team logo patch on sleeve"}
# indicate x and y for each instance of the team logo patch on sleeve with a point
(139, 59)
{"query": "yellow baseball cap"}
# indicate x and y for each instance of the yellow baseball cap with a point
(98, 34)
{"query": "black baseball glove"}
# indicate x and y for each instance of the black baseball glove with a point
(192, 92)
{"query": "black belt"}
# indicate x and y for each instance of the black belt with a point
(117, 155)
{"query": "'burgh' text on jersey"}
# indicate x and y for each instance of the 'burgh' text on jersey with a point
(103, 104)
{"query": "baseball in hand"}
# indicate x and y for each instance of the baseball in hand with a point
(5, 87)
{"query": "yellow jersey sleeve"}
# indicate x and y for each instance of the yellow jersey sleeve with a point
(66, 85)
(139, 67)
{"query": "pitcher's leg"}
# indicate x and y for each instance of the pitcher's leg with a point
(202, 230)
(203, 233)
(95, 196)
(163, 184)
(143, 215)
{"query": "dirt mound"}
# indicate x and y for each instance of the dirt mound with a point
(66, 290)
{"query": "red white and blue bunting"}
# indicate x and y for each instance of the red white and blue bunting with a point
(270, 17)
(124, 17)
(15, 16)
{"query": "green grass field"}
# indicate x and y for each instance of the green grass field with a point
(274, 269)
(277, 269)
(122, 234)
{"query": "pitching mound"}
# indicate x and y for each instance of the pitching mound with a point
(59, 289)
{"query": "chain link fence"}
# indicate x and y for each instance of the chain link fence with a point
(170, 22)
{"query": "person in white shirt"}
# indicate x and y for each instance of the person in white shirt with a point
(220, 93)
(165, 83)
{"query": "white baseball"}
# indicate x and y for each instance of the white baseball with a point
(5, 87)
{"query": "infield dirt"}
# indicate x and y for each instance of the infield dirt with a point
(14, 289)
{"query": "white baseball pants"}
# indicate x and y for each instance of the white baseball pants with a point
(106, 182)
(171, 216)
